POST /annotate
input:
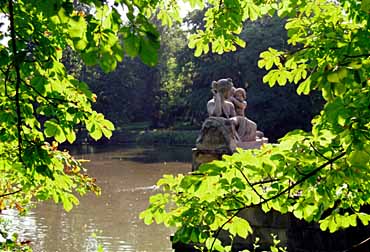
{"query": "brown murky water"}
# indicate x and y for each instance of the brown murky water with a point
(127, 177)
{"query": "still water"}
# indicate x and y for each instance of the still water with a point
(127, 177)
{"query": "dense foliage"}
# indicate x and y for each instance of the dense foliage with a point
(276, 110)
(320, 176)
(178, 88)
(43, 105)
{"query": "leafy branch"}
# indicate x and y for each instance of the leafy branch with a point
(357, 56)
(318, 152)
(47, 98)
(18, 78)
(304, 178)
(249, 183)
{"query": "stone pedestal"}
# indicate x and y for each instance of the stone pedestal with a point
(216, 135)
(216, 139)
(206, 156)
(201, 156)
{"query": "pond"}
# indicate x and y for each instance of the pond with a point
(127, 177)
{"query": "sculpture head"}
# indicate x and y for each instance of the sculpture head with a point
(240, 94)
(223, 86)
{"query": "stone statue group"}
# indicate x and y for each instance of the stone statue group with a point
(230, 102)
(227, 126)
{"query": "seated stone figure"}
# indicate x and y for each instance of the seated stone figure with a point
(225, 129)
(221, 106)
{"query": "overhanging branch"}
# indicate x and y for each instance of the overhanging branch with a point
(10, 193)
(18, 78)
(304, 178)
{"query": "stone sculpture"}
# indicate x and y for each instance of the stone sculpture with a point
(226, 127)
(222, 105)
(217, 134)
(238, 98)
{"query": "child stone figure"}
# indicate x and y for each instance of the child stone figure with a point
(239, 100)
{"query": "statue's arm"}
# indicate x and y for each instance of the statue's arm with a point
(232, 110)
(239, 104)
(214, 106)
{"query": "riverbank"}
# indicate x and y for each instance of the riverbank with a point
(141, 134)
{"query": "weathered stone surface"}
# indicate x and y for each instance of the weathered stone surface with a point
(206, 156)
(216, 135)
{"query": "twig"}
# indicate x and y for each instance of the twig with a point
(222, 226)
(357, 56)
(265, 182)
(48, 99)
(317, 152)
(357, 245)
(249, 183)
(11, 193)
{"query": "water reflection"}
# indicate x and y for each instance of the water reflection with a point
(143, 155)
(127, 177)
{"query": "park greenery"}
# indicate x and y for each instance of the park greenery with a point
(173, 94)
(319, 175)
(43, 104)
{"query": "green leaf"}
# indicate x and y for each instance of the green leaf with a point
(337, 76)
(131, 45)
(96, 133)
(77, 27)
(149, 51)
(107, 62)
(217, 245)
(239, 226)
(90, 56)
(304, 87)
(53, 129)
(67, 204)
(333, 77)
(365, 218)
(359, 158)
(339, 89)
(80, 43)
(70, 135)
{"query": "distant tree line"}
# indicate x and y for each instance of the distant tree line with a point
(176, 91)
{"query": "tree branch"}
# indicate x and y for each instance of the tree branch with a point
(265, 182)
(249, 183)
(357, 245)
(357, 56)
(317, 152)
(222, 226)
(307, 176)
(48, 99)
(18, 78)
(11, 193)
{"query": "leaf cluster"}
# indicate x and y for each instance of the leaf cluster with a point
(319, 176)
(42, 105)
